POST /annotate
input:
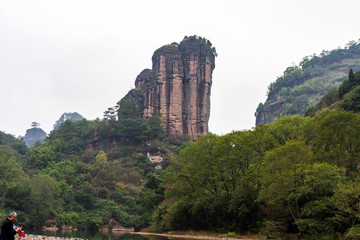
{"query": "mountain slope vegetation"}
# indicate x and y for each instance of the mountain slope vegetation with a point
(347, 97)
(297, 176)
(303, 85)
(87, 174)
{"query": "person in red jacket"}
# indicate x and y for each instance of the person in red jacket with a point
(22, 233)
(7, 228)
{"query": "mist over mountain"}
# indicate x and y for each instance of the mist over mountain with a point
(71, 116)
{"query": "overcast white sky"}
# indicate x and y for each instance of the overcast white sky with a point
(83, 55)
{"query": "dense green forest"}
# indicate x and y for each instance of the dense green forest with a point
(86, 173)
(303, 85)
(296, 176)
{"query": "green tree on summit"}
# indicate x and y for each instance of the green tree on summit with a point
(35, 124)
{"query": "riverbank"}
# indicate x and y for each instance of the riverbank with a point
(179, 235)
(43, 237)
(199, 235)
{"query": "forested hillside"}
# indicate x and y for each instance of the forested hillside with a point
(87, 174)
(346, 97)
(296, 176)
(303, 85)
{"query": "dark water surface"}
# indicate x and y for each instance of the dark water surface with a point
(96, 235)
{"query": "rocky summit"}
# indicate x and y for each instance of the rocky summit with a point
(178, 87)
(34, 135)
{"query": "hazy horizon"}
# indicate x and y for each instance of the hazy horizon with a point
(83, 56)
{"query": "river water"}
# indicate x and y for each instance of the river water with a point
(98, 235)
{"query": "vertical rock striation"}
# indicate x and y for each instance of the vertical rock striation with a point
(178, 87)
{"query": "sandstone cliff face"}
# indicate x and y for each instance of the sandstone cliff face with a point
(178, 87)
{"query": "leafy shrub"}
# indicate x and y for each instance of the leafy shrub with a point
(352, 101)
(353, 233)
(272, 229)
(231, 234)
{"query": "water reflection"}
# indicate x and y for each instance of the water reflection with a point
(96, 235)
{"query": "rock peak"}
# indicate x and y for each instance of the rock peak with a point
(178, 87)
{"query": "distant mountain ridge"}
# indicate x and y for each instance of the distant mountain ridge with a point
(302, 86)
(71, 116)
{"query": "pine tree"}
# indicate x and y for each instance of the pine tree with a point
(351, 78)
(348, 84)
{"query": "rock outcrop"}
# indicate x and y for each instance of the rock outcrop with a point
(33, 135)
(178, 87)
